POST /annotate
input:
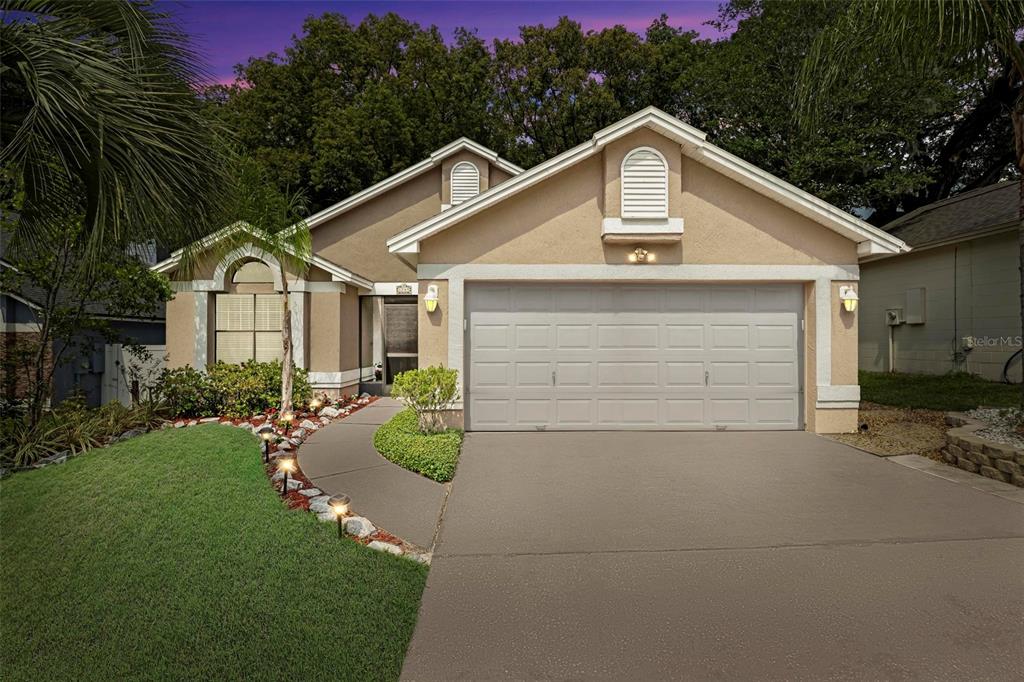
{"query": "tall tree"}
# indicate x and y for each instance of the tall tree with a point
(981, 35)
(100, 118)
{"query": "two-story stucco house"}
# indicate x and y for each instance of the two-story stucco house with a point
(645, 279)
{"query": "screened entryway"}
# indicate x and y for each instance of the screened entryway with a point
(391, 347)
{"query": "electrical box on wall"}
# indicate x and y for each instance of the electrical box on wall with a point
(894, 316)
(915, 305)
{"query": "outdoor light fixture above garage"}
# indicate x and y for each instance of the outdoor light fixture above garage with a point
(430, 298)
(848, 295)
(641, 255)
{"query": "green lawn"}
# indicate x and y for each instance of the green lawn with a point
(169, 556)
(950, 392)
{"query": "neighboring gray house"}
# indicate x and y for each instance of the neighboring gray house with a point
(953, 302)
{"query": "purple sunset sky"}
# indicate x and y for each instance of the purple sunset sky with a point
(228, 32)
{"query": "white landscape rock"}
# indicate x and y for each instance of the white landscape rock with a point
(299, 433)
(209, 420)
(319, 504)
(325, 420)
(326, 516)
(308, 425)
(359, 526)
(385, 547)
(311, 492)
(420, 558)
(329, 412)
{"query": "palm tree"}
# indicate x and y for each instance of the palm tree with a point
(273, 222)
(100, 120)
(977, 34)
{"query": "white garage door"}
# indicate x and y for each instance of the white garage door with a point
(566, 356)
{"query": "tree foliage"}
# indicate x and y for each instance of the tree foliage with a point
(347, 105)
(100, 118)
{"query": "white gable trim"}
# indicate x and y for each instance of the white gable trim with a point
(432, 161)
(338, 273)
(694, 144)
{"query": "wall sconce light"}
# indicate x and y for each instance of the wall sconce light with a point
(641, 255)
(339, 505)
(430, 298)
(848, 295)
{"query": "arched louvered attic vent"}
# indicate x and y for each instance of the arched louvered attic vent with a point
(644, 184)
(465, 182)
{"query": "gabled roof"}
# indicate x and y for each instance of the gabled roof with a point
(338, 273)
(870, 239)
(435, 159)
(988, 209)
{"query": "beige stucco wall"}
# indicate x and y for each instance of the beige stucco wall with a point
(181, 330)
(432, 339)
(971, 289)
(559, 221)
(325, 332)
(357, 239)
(498, 176)
(844, 340)
(349, 331)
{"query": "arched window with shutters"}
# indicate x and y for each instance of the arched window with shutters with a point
(644, 184)
(465, 182)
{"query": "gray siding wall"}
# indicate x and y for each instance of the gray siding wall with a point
(980, 275)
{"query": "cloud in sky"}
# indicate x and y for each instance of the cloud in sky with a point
(229, 32)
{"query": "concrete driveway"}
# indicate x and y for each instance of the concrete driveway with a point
(715, 555)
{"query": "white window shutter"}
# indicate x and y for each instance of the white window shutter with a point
(269, 309)
(465, 182)
(644, 185)
(269, 346)
(234, 347)
(234, 312)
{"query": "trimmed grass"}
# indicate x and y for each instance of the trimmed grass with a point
(434, 455)
(947, 392)
(170, 556)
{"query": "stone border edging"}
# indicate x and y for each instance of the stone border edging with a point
(970, 452)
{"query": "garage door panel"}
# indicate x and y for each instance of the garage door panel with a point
(490, 374)
(684, 412)
(533, 336)
(533, 374)
(490, 336)
(684, 336)
(615, 336)
(628, 411)
(775, 411)
(574, 412)
(574, 337)
(730, 336)
(565, 356)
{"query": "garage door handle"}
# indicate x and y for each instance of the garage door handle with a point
(552, 378)
(706, 378)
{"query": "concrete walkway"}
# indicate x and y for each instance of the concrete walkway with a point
(340, 458)
(733, 556)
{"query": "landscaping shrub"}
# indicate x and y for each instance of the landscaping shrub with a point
(229, 390)
(429, 391)
(73, 428)
(432, 454)
(187, 392)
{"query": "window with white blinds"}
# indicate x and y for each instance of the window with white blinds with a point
(248, 327)
(465, 182)
(644, 185)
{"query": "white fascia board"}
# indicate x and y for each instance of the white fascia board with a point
(397, 179)
(695, 144)
(802, 202)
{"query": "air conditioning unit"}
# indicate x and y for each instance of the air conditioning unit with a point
(894, 317)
